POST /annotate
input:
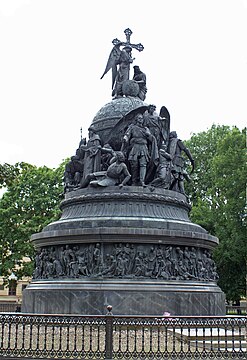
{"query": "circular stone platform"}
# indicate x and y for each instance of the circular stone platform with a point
(132, 248)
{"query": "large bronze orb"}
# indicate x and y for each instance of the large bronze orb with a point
(111, 113)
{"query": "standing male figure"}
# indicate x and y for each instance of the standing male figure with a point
(138, 136)
(175, 148)
(158, 125)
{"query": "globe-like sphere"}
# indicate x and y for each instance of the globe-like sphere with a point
(130, 88)
(111, 113)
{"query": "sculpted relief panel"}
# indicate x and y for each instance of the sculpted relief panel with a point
(124, 260)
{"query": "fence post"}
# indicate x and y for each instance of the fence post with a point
(109, 334)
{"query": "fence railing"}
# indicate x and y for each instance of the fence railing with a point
(121, 337)
(9, 306)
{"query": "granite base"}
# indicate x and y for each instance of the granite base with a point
(126, 298)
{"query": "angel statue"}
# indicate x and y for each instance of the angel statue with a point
(119, 61)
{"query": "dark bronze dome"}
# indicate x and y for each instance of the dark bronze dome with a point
(114, 111)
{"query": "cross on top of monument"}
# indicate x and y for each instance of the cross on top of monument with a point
(128, 34)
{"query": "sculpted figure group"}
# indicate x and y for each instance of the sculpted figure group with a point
(150, 156)
(119, 62)
(124, 260)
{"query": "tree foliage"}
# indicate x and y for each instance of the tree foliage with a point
(30, 202)
(9, 172)
(218, 196)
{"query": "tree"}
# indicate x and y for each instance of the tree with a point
(30, 202)
(8, 173)
(219, 200)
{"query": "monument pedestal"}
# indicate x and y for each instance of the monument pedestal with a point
(126, 297)
(132, 248)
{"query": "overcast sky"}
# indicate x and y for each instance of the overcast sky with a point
(53, 53)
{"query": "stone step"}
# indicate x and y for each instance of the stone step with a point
(214, 338)
(222, 345)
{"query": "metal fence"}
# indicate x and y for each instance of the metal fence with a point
(121, 337)
(9, 306)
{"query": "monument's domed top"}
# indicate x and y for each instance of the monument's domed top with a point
(118, 108)
(111, 113)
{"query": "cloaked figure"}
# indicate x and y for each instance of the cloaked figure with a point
(92, 157)
(163, 173)
(140, 78)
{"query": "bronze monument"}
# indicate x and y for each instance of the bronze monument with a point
(125, 237)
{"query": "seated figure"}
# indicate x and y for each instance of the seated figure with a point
(116, 174)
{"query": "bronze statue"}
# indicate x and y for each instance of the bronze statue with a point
(159, 125)
(92, 157)
(153, 154)
(179, 173)
(116, 174)
(138, 137)
(119, 61)
(163, 173)
(140, 78)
